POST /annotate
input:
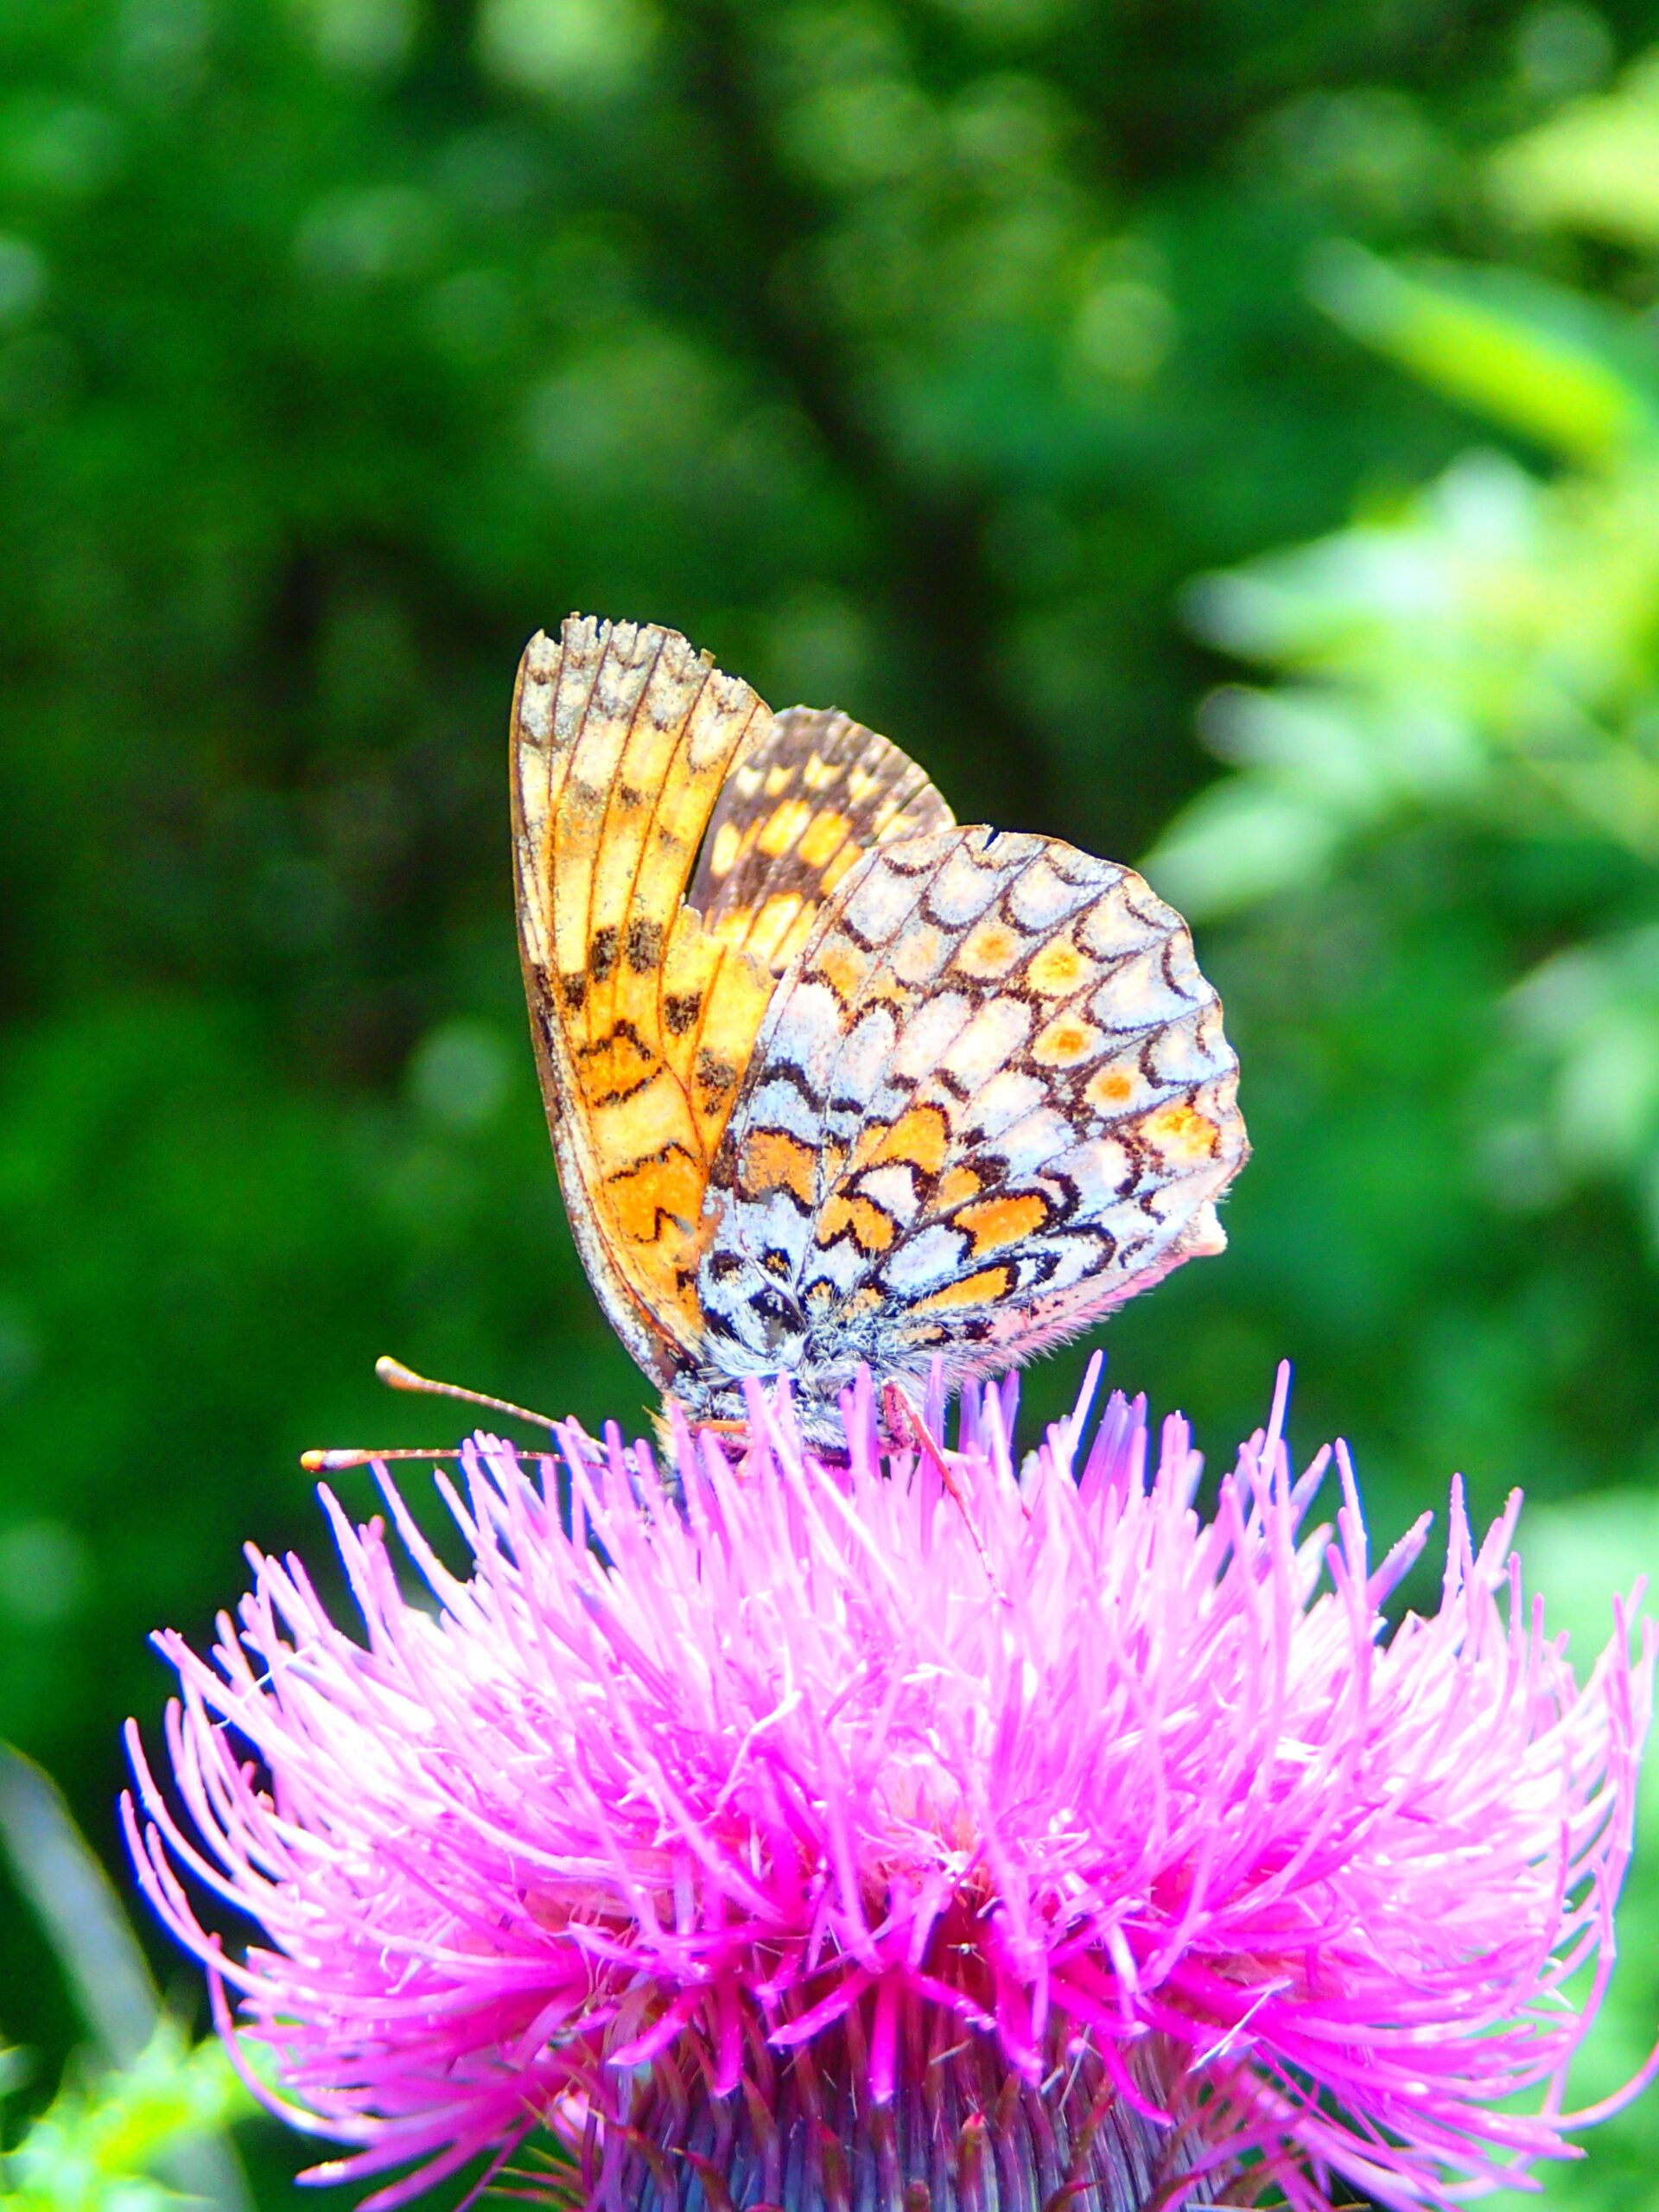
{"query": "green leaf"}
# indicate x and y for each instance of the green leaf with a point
(1523, 355)
(77, 1907)
(1594, 167)
(122, 2146)
(161, 2108)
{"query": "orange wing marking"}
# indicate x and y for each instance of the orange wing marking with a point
(795, 816)
(995, 1222)
(623, 738)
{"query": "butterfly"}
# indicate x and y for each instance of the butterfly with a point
(834, 1083)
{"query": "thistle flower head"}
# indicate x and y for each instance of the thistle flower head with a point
(818, 1832)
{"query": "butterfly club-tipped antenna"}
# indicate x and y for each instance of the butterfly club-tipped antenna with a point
(395, 1376)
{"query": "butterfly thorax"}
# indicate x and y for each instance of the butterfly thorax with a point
(818, 1362)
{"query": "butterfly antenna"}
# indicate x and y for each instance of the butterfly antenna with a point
(397, 1377)
(332, 1462)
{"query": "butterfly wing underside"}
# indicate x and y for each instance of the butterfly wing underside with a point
(795, 815)
(992, 1100)
(643, 1020)
(632, 754)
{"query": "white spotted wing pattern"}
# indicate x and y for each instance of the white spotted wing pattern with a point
(976, 1091)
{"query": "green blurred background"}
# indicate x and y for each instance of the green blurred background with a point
(1225, 432)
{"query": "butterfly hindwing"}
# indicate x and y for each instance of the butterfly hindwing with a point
(992, 1100)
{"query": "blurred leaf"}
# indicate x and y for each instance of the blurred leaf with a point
(1241, 842)
(1524, 356)
(78, 1908)
(1586, 1022)
(373, 37)
(579, 47)
(159, 2107)
(136, 2142)
(1482, 653)
(1593, 168)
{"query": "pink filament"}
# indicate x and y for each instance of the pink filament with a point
(650, 1782)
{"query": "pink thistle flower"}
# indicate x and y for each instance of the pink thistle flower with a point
(805, 1835)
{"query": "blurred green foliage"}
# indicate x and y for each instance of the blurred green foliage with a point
(139, 2120)
(913, 355)
(98, 2150)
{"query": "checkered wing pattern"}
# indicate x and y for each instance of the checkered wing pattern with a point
(992, 1100)
(795, 815)
(644, 1020)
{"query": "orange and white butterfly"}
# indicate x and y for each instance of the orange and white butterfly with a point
(832, 1081)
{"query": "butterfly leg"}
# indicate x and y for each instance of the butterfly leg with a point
(673, 1422)
(904, 1419)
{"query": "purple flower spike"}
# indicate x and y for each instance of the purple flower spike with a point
(831, 1834)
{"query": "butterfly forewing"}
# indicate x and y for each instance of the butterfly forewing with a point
(622, 741)
(797, 812)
